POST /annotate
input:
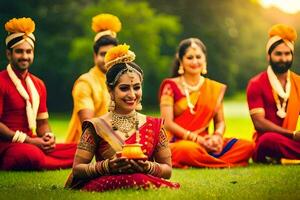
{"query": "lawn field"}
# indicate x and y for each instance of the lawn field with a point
(253, 182)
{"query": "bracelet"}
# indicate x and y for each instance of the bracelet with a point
(19, 137)
(102, 167)
(154, 169)
(294, 134)
(186, 135)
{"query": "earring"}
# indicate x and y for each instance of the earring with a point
(204, 69)
(111, 106)
(180, 70)
(139, 106)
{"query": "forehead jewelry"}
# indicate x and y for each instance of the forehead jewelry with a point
(193, 44)
(130, 71)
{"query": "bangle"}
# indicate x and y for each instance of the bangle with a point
(19, 137)
(186, 135)
(154, 169)
(102, 167)
(294, 134)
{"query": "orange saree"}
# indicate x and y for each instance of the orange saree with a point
(207, 101)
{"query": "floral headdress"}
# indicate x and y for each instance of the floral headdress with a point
(120, 54)
(105, 24)
(282, 32)
(19, 30)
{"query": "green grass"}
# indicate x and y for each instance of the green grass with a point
(253, 182)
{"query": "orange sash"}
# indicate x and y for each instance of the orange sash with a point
(293, 108)
(208, 101)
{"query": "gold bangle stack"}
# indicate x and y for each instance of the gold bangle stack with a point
(154, 169)
(102, 167)
(99, 168)
(19, 137)
(91, 170)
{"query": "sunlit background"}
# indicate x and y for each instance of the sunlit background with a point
(234, 31)
(288, 6)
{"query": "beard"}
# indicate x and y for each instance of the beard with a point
(280, 67)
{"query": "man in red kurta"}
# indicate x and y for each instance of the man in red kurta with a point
(26, 140)
(274, 100)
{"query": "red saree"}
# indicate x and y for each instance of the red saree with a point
(109, 144)
(271, 144)
(207, 101)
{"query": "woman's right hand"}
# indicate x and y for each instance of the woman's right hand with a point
(120, 165)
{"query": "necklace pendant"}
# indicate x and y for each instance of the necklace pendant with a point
(281, 114)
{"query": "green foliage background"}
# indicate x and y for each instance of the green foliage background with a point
(235, 33)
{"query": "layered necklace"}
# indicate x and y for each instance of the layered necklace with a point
(191, 88)
(278, 91)
(125, 123)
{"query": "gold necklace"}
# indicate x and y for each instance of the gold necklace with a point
(187, 88)
(124, 123)
(192, 87)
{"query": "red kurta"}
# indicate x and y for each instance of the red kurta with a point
(13, 115)
(271, 144)
(207, 101)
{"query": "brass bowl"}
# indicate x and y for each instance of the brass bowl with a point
(133, 151)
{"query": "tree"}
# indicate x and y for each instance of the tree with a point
(144, 29)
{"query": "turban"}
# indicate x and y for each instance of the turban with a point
(282, 32)
(19, 30)
(105, 24)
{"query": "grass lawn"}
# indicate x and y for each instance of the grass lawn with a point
(253, 182)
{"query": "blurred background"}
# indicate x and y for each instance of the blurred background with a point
(234, 31)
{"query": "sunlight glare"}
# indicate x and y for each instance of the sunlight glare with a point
(288, 6)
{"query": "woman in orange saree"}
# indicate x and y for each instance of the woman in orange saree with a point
(188, 103)
(146, 160)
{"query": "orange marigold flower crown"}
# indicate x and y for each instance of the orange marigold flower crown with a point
(19, 30)
(118, 54)
(20, 25)
(283, 31)
(106, 24)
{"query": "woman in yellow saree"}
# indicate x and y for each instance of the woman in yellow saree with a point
(188, 103)
(131, 149)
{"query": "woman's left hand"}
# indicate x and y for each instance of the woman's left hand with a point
(217, 141)
(141, 166)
